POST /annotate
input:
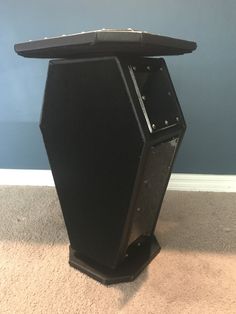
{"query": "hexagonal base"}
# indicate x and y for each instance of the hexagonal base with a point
(138, 258)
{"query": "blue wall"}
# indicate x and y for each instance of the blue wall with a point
(205, 81)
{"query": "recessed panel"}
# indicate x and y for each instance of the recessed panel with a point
(156, 95)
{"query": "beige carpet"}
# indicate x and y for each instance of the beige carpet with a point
(194, 273)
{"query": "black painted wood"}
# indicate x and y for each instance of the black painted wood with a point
(112, 125)
(110, 169)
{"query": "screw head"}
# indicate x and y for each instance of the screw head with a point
(148, 68)
(161, 69)
(177, 118)
(166, 122)
(138, 244)
(138, 209)
(143, 97)
(154, 126)
(169, 93)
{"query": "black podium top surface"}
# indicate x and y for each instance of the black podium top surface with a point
(105, 42)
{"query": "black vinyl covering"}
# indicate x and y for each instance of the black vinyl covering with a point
(105, 42)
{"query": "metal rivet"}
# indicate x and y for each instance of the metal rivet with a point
(161, 69)
(154, 126)
(134, 68)
(177, 118)
(138, 209)
(166, 122)
(143, 98)
(145, 181)
(169, 93)
(138, 244)
(126, 255)
(148, 68)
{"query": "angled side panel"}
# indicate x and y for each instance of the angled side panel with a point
(94, 146)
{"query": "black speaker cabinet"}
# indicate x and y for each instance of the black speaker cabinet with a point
(112, 126)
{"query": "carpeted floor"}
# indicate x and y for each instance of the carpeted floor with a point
(194, 273)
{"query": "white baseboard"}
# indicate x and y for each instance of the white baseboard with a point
(202, 182)
(26, 177)
(178, 181)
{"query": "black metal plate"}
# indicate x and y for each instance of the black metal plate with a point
(152, 188)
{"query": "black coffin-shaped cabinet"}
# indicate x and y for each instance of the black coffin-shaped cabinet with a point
(112, 125)
(111, 128)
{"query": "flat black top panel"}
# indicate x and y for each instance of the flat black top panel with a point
(105, 42)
